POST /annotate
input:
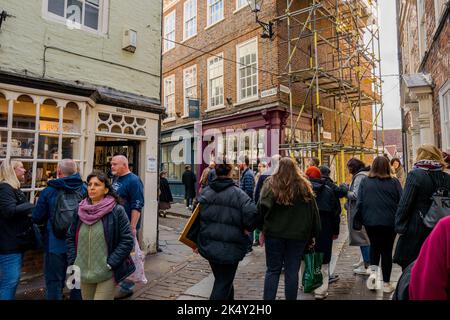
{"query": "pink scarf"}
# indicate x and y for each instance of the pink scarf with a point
(91, 213)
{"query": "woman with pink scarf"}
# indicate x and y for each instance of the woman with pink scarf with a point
(100, 240)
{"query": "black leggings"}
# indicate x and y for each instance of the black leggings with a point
(381, 244)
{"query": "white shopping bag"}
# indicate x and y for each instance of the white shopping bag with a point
(138, 259)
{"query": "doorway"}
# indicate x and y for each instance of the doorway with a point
(106, 149)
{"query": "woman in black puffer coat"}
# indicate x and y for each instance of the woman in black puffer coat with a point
(15, 226)
(227, 215)
(421, 182)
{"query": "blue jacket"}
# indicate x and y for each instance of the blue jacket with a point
(248, 182)
(43, 212)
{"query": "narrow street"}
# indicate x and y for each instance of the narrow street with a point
(177, 273)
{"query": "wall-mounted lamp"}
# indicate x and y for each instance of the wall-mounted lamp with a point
(255, 6)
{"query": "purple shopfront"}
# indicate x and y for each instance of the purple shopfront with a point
(255, 134)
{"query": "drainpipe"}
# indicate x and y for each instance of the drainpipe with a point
(159, 134)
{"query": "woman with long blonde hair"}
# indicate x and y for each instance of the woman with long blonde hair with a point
(422, 181)
(15, 222)
(290, 221)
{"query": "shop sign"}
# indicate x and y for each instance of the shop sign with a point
(151, 164)
(122, 110)
(327, 135)
(53, 126)
(285, 89)
(194, 108)
(269, 92)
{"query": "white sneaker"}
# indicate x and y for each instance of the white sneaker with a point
(388, 287)
(358, 264)
(362, 270)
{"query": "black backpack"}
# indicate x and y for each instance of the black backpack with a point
(402, 290)
(66, 207)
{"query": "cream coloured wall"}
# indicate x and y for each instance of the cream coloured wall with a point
(25, 36)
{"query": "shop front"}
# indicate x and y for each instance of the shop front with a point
(255, 134)
(41, 127)
(176, 153)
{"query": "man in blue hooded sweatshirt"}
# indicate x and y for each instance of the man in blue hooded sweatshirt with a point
(55, 264)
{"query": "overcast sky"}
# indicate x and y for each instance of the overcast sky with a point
(389, 64)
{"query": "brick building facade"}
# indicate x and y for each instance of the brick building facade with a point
(424, 46)
(232, 43)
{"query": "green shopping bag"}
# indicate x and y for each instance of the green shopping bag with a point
(312, 277)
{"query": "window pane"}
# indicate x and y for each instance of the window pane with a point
(74, 10)
(3, 113)
(91, 17)
(56, 7)
(49, 118)
(71, 118)
(26, 183)
(48, 146)
(70, 148)
(22, 145)
(24, 114)
(3, 143)
(45, 172)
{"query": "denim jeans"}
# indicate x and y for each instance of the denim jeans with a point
(365, 251)
(55, 266)
(10, 268)
(281, 252)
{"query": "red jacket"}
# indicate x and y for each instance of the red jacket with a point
(430, 275)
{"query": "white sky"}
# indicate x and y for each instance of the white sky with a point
(389, 63)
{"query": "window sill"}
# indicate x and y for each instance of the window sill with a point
(253, 99)
(215, 23)
(209, 109)
(185, 116)
(164, 52)
(167, 120)
(59, 20)
(240, 9)
(187, 39)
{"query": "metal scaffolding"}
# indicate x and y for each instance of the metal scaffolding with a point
(333, 49)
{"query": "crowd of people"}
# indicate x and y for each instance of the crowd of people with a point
(94, 224)
(91, 225)
(293, 212)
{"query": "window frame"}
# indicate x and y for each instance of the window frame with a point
(103, 17)
(171, 116)
(220, 106)
(239, 46)
(421, 24)
(185, 36)
(185, 88)
(174, 31)
(208, 13)
(238, 8)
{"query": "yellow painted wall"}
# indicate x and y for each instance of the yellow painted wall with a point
(24, 37)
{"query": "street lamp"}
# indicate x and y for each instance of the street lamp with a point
(256, 6)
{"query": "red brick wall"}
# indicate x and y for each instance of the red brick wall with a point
(239, 27)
